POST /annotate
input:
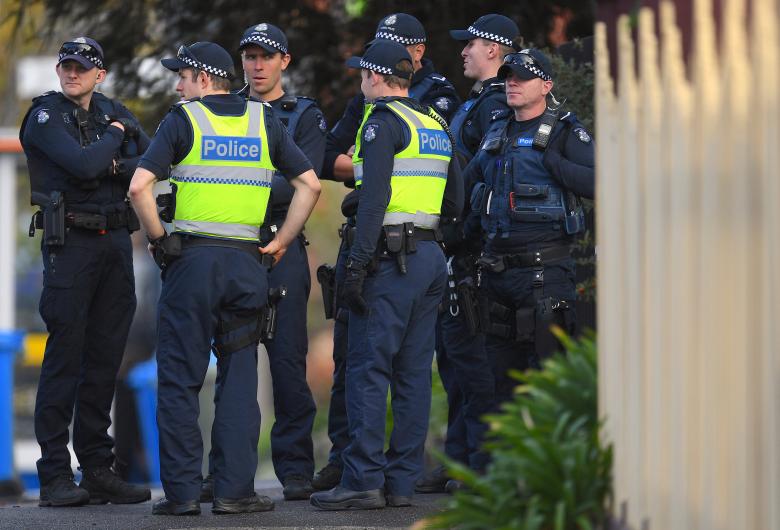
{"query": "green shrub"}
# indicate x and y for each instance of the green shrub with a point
(549, 470)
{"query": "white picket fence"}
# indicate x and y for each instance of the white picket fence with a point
(688, 196)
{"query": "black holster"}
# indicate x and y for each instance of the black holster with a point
(167, 250)
(401, 239)
(269, 313)
(326, 276)
(51, 218)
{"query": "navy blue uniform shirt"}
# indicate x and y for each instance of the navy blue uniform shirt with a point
(309, 136)
(479, 121)
(57, 160)
(173, 139)
(441, 96)
(390, 136)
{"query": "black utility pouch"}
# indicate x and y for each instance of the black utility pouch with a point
(469, 305)
(525, 324)
(166, 201)
(394, 238)
(54, 220)
(133, 223)
(410, 243)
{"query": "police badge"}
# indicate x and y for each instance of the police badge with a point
(583, 135)
(42, 116)
(390, 20)
(442, 103)
(370, 133)
(321, 123)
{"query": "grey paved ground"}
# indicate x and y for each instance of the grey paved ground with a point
(298, 515)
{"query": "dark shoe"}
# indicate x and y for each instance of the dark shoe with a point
(433, 481)
(327, 478)
(253, 503)
(62, 491)
(297, 488)
(454, 485)
(166, 507)
(340, 498)
(105, 486)
(207, 489)
(398, 501)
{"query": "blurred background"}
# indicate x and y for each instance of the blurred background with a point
(135, 35)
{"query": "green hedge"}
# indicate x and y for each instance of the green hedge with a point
(549, 469)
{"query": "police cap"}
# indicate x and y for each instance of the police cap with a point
(527, 64)
(493, 27)
(401, 28)
(265, 35)
(381, 57)
(206, 56)
(85, 51)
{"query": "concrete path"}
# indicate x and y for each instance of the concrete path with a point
(298, 515)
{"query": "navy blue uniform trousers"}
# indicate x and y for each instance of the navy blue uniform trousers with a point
(203, 287)
(473, 387)
(291, 445)
(392, 347)
(513, 288)
(338, 427)
(87, 303)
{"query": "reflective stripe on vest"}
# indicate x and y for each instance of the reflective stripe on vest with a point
(419, 173)
(224, 182)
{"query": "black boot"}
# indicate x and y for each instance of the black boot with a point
(166, 507)
(62, 491)
(251, 504)
(297, 488)
(327, 478)
(432, 482)
(207, 489)
(340, 498)
(105, 486)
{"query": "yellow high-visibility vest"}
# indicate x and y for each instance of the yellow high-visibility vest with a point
(419, 173)
(223, 184)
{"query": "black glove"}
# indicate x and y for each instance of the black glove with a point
(131, 127)
(352, 290)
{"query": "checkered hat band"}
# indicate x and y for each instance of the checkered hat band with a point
(489, 36)
(264, 40)
(206, 68)
(406, 41)
(375, 67)
(94, 59)
(538, 72)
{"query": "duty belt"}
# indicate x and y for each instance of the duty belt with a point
(96, 221)
(247, 246)
(531, 259)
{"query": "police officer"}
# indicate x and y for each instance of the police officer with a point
(224, 151)
(265, 56)
(81, 149)
(529, 172)
(394, 282)
(429, 88)
(486, 41)
(461, 359)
